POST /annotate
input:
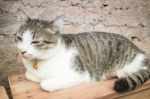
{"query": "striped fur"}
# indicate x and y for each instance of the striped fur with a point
(132, 81)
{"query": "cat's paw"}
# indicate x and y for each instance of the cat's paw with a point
(47, 86)
(31, 77)
(121, 73)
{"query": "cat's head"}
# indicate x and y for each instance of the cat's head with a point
(36, 39)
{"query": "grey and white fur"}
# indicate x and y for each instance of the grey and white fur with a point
(66, 60)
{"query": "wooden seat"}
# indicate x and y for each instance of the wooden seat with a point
(3, 94)
(23, 89)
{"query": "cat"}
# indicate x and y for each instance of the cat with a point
(58, 61)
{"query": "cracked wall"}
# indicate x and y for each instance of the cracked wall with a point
(130, 18)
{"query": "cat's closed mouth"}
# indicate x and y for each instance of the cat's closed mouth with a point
(19, 55)
(27, 55)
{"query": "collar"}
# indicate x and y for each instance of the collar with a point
(35, 65)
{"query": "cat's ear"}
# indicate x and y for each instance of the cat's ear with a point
(56, 24)
(55, 29)
(21, 16)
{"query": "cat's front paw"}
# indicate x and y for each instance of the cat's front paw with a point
(31, 77)
(47, 86)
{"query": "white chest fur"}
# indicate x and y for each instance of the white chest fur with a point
(59, 64)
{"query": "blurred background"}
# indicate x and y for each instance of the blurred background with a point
(130, 18)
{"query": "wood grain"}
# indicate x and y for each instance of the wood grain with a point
(23, 89)
(3, 94)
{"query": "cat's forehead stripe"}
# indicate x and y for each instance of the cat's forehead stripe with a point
(33, 35)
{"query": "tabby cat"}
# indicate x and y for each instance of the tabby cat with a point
(58, 61)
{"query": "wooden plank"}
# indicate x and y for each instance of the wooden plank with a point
(3, 94)
(24, 89)
(144, 94)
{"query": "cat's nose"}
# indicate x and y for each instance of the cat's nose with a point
(23, 52)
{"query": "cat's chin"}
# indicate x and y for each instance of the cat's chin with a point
(32, 58)
(28, 56)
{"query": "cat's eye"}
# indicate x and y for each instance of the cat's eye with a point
(35, 42)
(48, 42)
(19, 38)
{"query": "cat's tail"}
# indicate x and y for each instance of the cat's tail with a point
(132, 81)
